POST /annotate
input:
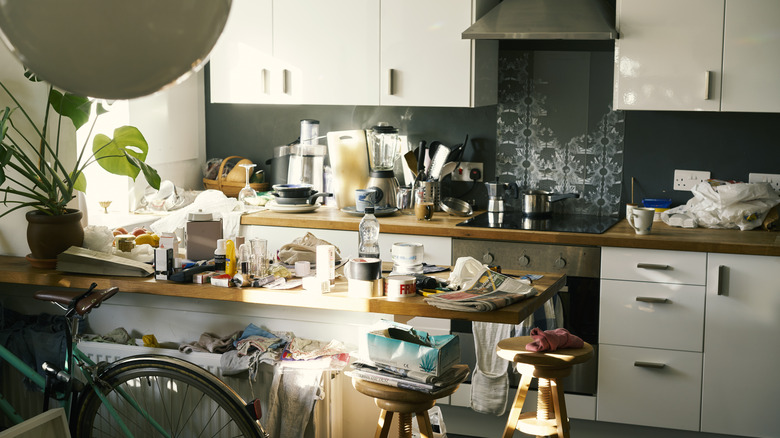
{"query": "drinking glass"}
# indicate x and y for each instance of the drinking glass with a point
(247, 194)
(259, 256)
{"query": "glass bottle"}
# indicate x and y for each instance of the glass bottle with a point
(368, 235)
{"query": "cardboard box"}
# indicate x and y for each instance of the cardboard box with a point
(443, 353)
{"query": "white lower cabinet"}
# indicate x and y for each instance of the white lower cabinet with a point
(649, 387)
(651, 326)
(740, 386)
(689, 341)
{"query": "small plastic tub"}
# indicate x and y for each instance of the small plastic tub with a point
(659, 204)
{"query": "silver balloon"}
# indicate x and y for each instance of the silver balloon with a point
(112, 49)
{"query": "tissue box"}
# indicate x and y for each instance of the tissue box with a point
(433, 360)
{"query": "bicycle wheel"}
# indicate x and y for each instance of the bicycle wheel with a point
(184, 399)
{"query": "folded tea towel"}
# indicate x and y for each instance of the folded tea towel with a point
(551, 340)
(291, 401)
(490, 381)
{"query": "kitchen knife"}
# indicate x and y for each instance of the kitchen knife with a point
(421, 160)
(438, 161)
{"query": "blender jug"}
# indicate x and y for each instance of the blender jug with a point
(383, 150)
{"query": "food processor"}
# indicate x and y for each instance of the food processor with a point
(383, 150)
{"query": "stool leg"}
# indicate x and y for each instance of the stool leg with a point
(517, 406)
(424, 421)
(405, 425)
(383, 426)
(561, 416)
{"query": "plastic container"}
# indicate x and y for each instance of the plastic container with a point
(659, 204)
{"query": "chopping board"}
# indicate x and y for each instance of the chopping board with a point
(349, 163)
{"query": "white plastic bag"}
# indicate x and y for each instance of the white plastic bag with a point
(739, 205)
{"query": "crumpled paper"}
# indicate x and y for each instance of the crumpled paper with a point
(303, 249)
(725, 205)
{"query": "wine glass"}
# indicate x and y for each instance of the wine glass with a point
(247, 194)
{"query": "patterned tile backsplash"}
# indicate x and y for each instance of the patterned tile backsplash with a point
(557, 130)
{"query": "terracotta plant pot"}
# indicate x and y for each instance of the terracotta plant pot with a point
(48, 236)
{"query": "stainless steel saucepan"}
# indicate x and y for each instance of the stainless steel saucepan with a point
(539, 202)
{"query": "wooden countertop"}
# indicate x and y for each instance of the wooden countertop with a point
(756, 242)
(18, 270)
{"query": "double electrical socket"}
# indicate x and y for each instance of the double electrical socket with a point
(772, 178)
(685, 180)
(463, 172)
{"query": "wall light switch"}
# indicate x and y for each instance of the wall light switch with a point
(772, 178)
(685, 180)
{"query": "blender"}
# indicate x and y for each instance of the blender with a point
(383, 150)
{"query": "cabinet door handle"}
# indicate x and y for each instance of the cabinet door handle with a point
(653, 266)
(390, 74)
(264, 80)
(653, 300)
(723, 279)
(643, 364)
(285, 81)
(707, 85)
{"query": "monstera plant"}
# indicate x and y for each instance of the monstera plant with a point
(34, 175)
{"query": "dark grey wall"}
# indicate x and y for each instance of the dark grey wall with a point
(252, 131)
(729, 145)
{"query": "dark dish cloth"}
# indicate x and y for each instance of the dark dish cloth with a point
(35, 339)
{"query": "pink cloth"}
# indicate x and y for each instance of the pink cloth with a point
(551, 340)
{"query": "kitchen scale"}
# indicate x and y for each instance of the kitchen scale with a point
(566, 223)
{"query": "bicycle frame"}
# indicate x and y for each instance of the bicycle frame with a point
(40, 381)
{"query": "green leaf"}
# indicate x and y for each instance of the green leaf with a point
(151, 175)
(76, 108)
(80, 183)
(110, 153)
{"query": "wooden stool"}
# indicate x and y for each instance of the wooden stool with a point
(548, 367)
(403, 401)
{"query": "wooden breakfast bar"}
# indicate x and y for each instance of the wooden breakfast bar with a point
(17, 270)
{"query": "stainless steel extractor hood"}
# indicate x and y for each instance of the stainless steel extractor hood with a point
(546, 20)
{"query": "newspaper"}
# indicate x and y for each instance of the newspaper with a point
(490, 291)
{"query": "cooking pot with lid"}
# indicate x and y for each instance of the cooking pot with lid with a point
(539, 202)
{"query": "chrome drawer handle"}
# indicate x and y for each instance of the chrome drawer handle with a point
(653, 266)
(653, 300)
(643, 364)
(723, 272)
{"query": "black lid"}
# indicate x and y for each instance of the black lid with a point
(384, 128)
(369, 210)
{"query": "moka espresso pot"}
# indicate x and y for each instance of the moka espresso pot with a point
(496, 191)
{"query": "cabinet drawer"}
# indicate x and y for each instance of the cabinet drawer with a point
(656, 315)
(631, 391)
(653, 265)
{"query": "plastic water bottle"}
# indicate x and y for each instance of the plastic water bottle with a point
(369, 235)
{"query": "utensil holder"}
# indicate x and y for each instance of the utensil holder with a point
(431, 192)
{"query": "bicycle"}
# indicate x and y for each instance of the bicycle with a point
(145, 395)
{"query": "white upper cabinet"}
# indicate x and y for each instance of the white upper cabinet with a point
(668, 55)
(354, 52)
(697, 55)
(329, 49)
(298, 51)
(751, 56)
(240, 63)
(424, 60)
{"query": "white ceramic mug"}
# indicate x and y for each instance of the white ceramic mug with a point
(641, 219)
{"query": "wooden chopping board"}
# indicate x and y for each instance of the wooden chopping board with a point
(349, 163)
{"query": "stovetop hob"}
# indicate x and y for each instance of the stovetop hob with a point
(567, 223)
